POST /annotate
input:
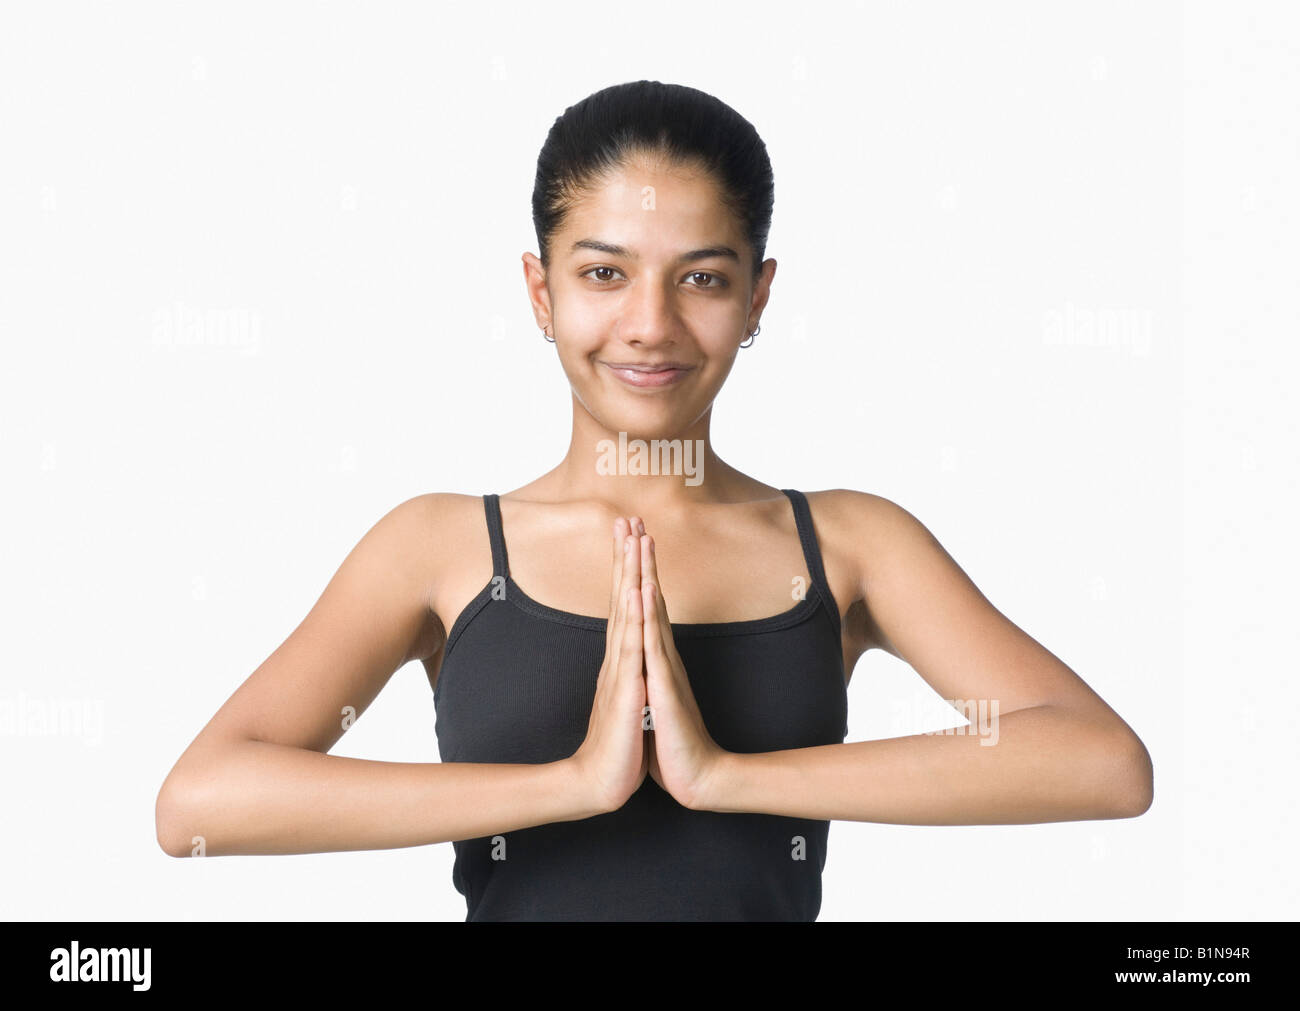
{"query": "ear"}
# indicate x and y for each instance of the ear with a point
(538, 292)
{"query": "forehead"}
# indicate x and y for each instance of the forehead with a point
(652, 205)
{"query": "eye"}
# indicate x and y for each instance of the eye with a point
(721, 282)
(600, 280)
(601, 275)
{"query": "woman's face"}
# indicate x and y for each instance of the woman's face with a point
(649, 295)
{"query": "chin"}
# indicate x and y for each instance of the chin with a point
(651, 422)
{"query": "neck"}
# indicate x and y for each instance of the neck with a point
(644, 473)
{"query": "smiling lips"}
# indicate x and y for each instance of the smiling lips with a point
(643, 375)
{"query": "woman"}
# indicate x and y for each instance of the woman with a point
(599, 760)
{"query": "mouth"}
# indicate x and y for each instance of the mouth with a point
(643, 376)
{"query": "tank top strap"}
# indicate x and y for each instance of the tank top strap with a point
(500, 564)
(812, 553)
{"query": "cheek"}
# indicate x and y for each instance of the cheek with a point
(586, 328)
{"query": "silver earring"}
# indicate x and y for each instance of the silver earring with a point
(753, 334)
(546, 335)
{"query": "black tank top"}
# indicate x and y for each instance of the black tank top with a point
(516, 685)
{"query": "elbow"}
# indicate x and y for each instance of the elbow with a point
(171, 822)
(1131, 780)
(195, 800)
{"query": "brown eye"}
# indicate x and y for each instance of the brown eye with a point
(709, 277)
(602, 280)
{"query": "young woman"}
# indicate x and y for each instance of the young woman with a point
(648, 725)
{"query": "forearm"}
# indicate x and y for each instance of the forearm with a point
(1047, 765)
(263, 798)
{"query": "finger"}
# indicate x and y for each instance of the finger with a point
(616, 568)
(616, 547)
(619, 618)
(630, 577)
(631, 564)
(653, 636)
(631, 653)
(651, 568)
(660, 655)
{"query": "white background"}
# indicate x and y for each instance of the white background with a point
(260, 282)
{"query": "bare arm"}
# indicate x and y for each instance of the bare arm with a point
(1055, 750)
(257, 778)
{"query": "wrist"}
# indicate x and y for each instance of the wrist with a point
(581, 798)
(715, 786)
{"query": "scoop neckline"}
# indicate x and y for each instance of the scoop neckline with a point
(793, 616)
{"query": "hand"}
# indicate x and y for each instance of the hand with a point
(683, 755)
(614, 756)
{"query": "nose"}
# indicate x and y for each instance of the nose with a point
(648, 315)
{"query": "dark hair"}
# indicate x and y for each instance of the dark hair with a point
(687, 125)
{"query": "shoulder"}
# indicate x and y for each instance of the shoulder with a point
(425, 538)
(859, 522)
(875, 536)
(435, 517)
(902, 574)
(419, 547)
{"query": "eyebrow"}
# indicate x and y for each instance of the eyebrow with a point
(695, 254)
